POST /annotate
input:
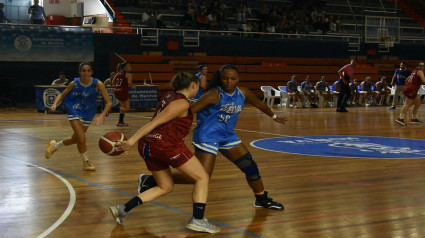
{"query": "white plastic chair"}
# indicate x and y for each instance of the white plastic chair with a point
(270, 94)
(284, 97)
(322, 99)
(401, 96)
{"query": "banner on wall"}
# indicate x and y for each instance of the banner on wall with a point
(46, 43)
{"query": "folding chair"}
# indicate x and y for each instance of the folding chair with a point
(270, 94)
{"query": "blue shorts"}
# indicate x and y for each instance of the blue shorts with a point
(214, 147)
(85, 120)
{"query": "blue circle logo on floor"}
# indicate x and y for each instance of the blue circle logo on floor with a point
(346, 146)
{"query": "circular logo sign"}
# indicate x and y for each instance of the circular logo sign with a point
(346, 146)
(49, 96)
(22, 43)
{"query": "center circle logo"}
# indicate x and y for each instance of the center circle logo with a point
(346, 146)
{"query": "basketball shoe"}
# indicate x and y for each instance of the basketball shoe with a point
(400, 121)
(416, 121)
(118, 213)
(50, 150)
(146, 182)
(267, 202)
(88, 166)
(202, 225)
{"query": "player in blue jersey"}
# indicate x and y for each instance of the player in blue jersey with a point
(202, 76)
(398, 81)
(80, 103)
(365, 88)
(292, 90)
(381, 91)
(307, 87)
(217, 114)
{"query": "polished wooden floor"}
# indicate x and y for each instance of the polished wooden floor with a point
(323, 196)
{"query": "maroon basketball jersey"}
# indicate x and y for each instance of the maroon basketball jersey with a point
(175, 130)
(413, 81)
(121, 82)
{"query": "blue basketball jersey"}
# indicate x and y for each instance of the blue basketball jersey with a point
(308, 86)
(200, 91)
(322, 86)
(291, 86)
(333, 86)
(81, 100)
(367, 86)
(401, 76)
(216, 123)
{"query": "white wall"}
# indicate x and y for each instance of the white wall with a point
(93, 7)
(61, 9)
(68, 8)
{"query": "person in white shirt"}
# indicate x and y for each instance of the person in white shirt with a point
(61, 81)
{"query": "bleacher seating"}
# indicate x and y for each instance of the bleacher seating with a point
(352, 13)
(253, 73)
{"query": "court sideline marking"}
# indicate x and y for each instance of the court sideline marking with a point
(71, 190)
(67, 212)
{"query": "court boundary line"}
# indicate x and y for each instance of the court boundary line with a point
(72, 197)
(59, 174)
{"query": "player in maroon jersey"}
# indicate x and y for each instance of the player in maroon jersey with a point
(160, 143)
(410, 90)
(121, 81)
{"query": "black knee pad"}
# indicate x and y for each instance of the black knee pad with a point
(247, 165)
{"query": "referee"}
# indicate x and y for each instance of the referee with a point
(345, 74)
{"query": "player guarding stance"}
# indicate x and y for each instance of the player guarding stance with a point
(410, 90)
(160, 143)
(80, 103)
(217, 113)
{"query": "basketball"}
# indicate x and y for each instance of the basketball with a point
(108, 141)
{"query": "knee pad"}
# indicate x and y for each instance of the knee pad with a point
(247, 165)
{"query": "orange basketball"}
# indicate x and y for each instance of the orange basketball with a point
(108, 141)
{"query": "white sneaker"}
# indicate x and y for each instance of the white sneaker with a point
(118, 213)
(202, 225)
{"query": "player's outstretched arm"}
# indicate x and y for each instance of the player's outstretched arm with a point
(61, 96)
(108, 103)
(177, 108)
(421, 76)
(253, 100)
(210, 98)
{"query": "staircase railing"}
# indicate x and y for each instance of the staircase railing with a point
(109, 9)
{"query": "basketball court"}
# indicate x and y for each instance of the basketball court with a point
(356, 174)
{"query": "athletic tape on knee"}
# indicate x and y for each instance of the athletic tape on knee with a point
(247, 165)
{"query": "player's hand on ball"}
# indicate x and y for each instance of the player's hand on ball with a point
(122, 145)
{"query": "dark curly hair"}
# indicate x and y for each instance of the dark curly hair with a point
(216, 79)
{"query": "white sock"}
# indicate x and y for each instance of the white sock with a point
(84, 156)
(401, 116)
(58, 145)
(414, 116)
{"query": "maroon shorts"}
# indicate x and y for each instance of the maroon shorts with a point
(159, 157)
(121, 95)
(410, 92)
